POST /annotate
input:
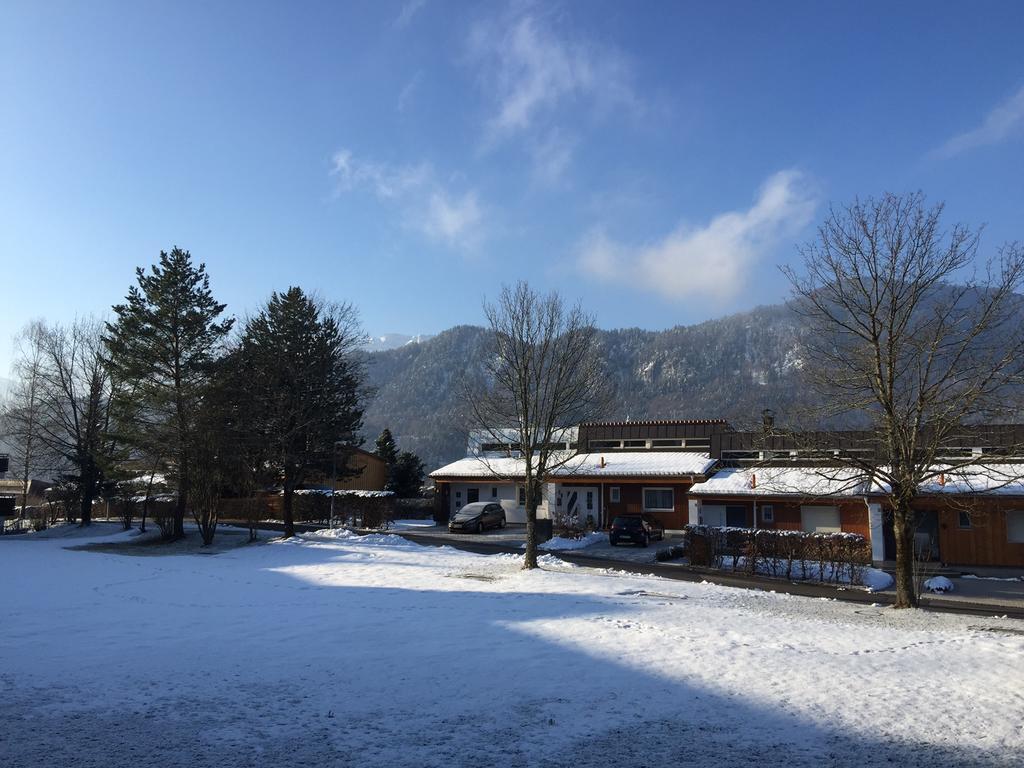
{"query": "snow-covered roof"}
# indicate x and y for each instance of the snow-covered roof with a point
(1003, 479)
(616, 464)
(999, 479)
(784, 481)
(640, 464)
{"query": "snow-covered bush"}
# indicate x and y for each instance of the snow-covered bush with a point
(827, 557)
(366, 509)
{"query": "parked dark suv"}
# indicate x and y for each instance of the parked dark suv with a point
(639, 529)
(478, 516)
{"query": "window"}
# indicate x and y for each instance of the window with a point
(614, 494)
(659, 499)
(964, 519)
(1015, 527)
(558, 498)
(666, 443)
(735, 516)
(590, 500)
(472, 495)
(767, 513)
(634, 443)
(458, 500)
(494, 492)
(522, 495)
(596, 445)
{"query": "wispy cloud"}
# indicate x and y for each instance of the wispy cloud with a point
(386, 181)
(536, 76)
(1002, 122)
(551, 157)
(408, 90)
(409, 9)
(454, 220)
(710, 260)
(424, 202)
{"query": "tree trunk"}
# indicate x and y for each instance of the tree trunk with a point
(25, 479)
(179, 510)
(903, 528)
(86, 505)
(531, 534)
(532, 499)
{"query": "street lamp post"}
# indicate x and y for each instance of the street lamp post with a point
(334, 474)
(334, 480)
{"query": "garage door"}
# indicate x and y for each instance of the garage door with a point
(820, 519)
(712, 515)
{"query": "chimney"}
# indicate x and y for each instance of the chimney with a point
(602, 462)
(753, 480)
(942, 479)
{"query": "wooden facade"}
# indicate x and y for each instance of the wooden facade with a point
(976, 532)
(787, 515)
(373, 473)
(631, 501)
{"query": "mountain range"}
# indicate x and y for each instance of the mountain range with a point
(732, 367)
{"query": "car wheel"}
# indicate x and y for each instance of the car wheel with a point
(646, 542)
(480, 527)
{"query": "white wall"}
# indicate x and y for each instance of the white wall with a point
(508, 495)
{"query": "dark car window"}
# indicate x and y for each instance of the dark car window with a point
(627, 522)
(494, 508)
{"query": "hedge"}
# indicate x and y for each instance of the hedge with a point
(827, 557)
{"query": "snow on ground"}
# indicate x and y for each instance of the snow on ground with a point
(565, 543)
(412, 525)
(333, 649)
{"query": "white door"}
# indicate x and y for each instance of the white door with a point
(820, 519)
(580, 504)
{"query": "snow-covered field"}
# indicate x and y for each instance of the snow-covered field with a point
(334, 650)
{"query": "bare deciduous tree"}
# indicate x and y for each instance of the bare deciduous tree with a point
(912, 335)
(76, 390)
(22, 409)
(543, 375)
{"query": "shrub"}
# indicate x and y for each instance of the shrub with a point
(826, 557)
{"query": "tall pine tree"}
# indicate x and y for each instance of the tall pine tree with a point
(304, 386)
(163, 341)
(387, 449)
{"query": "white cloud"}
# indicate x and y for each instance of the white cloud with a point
(710, 260)
(1002, 122)
(551, 158)
(409, 9)
(386, 181)
(408, 90)
(532, 74)
(426, 204)
(454, 220)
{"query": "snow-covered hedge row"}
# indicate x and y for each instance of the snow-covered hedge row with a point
(352, 494)
(827, 557)
(367, 509)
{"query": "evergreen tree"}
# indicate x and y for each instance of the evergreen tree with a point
(387, 449)
(163, 341)
(304, 386)
(405, 476)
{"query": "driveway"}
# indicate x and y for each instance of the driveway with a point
(514, 536)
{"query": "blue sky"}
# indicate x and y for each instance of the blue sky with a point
(657, 161)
